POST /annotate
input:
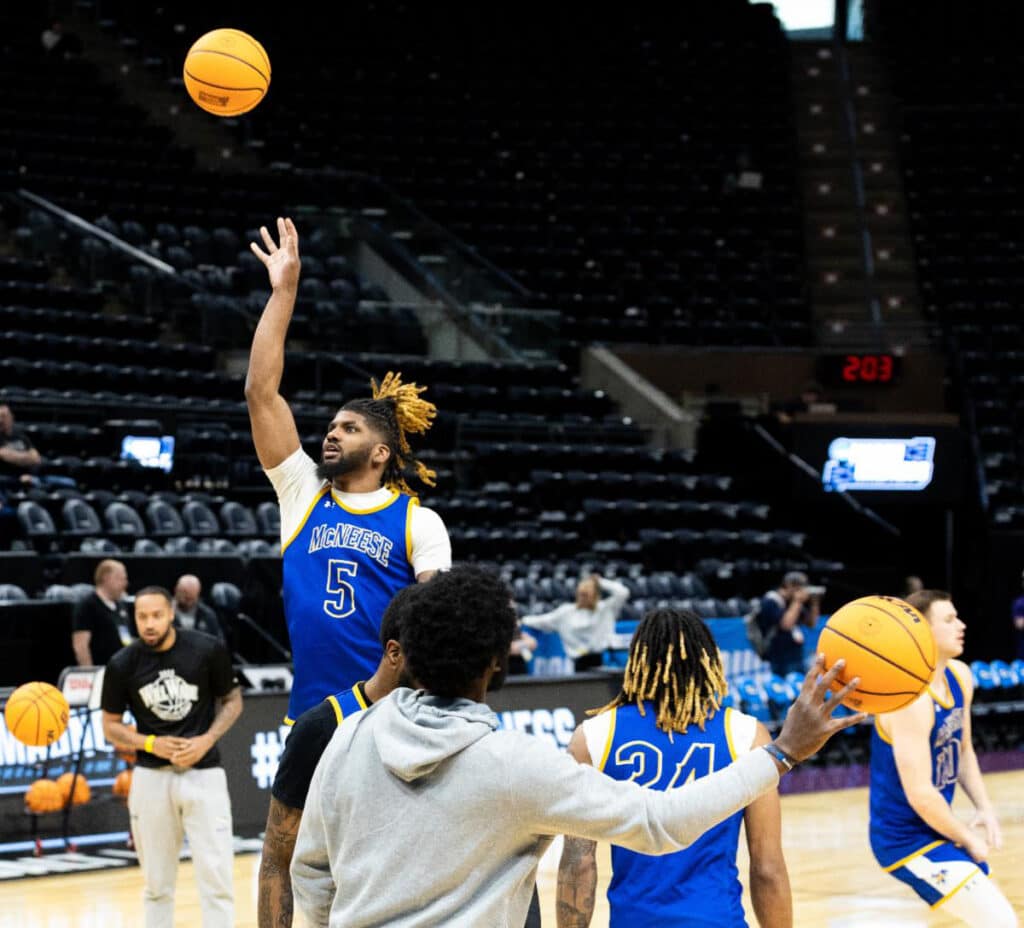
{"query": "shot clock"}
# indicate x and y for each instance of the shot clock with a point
(855, 369)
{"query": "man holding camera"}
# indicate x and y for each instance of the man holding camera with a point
(782, 615)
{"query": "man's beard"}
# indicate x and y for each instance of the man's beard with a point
(343, 464)
(160, 642)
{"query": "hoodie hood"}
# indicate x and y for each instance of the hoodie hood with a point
(415, 732)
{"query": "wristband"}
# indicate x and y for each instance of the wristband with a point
(149, 744)
(781, 756)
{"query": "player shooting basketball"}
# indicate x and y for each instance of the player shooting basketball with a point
(352, 532)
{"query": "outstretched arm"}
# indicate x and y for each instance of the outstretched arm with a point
(273, 426)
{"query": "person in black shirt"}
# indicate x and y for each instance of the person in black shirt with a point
(181, 690)
(19, 458)
(101, 624)
(306, 743)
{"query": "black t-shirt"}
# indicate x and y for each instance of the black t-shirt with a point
(302, 751)
(17, 440)
(172, 692)
(111, 629)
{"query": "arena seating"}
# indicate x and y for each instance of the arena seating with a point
(961, 94)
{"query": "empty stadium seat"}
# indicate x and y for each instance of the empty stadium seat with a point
(12, 593)
(80, 518)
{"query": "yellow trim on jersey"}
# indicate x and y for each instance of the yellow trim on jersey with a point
(302, 522)
(357, 691)
(608, 740)
(935, 696)
(335, 705)
(970, 876)
(959, 679)
(881, 732)
(917, 853)
(289, 721)
(413, 501)
(728, 733)
(365, 512)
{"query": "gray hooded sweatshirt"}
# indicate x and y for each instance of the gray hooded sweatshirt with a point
(422, 813)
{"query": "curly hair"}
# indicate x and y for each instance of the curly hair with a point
(397, 613)
(397, 410)
(462, 620)
(674, 663)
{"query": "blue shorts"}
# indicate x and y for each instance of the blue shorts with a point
(936, 871)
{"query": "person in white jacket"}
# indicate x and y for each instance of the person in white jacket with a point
(422, 813)
(587, 625)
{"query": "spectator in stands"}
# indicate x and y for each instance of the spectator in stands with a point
(190, 611)
(352, 531)
(587, 625)
(102, 622)
(19, 458)
(780, 615)
(1018, 622)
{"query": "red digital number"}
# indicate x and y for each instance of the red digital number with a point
(851, 368)
(869, 368)
(885, 368)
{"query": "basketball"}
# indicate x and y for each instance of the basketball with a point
(123, 783)
(227, 72)
(36, 714)
(44, 796)
(888, 644)
(82, 791)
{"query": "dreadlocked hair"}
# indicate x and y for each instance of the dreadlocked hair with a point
(397, 410)
(673, 663)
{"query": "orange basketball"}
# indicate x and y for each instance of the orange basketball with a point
(122, 783)
(44, 796)
(888, 644)
(82, 792)
(37, 714)
(227, 72)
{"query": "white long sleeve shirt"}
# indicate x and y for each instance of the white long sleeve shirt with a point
(584, 631)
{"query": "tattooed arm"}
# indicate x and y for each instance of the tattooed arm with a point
(577, 882)
(577, 870)
(274, 907)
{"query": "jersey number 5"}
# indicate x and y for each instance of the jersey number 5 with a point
(344, 602)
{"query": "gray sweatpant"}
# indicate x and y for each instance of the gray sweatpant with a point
(164, 805)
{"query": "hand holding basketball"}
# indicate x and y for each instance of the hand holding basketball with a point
(809, 723)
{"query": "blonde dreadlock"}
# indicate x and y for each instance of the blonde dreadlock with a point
(397, 410)
(663, 668)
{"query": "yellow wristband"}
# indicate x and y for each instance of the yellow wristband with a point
(150, 742)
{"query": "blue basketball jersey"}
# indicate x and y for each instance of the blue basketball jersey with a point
(695, 886)
(340, 570)
(896, 830)
(348, 703)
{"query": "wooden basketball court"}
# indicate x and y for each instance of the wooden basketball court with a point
(836, 882)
